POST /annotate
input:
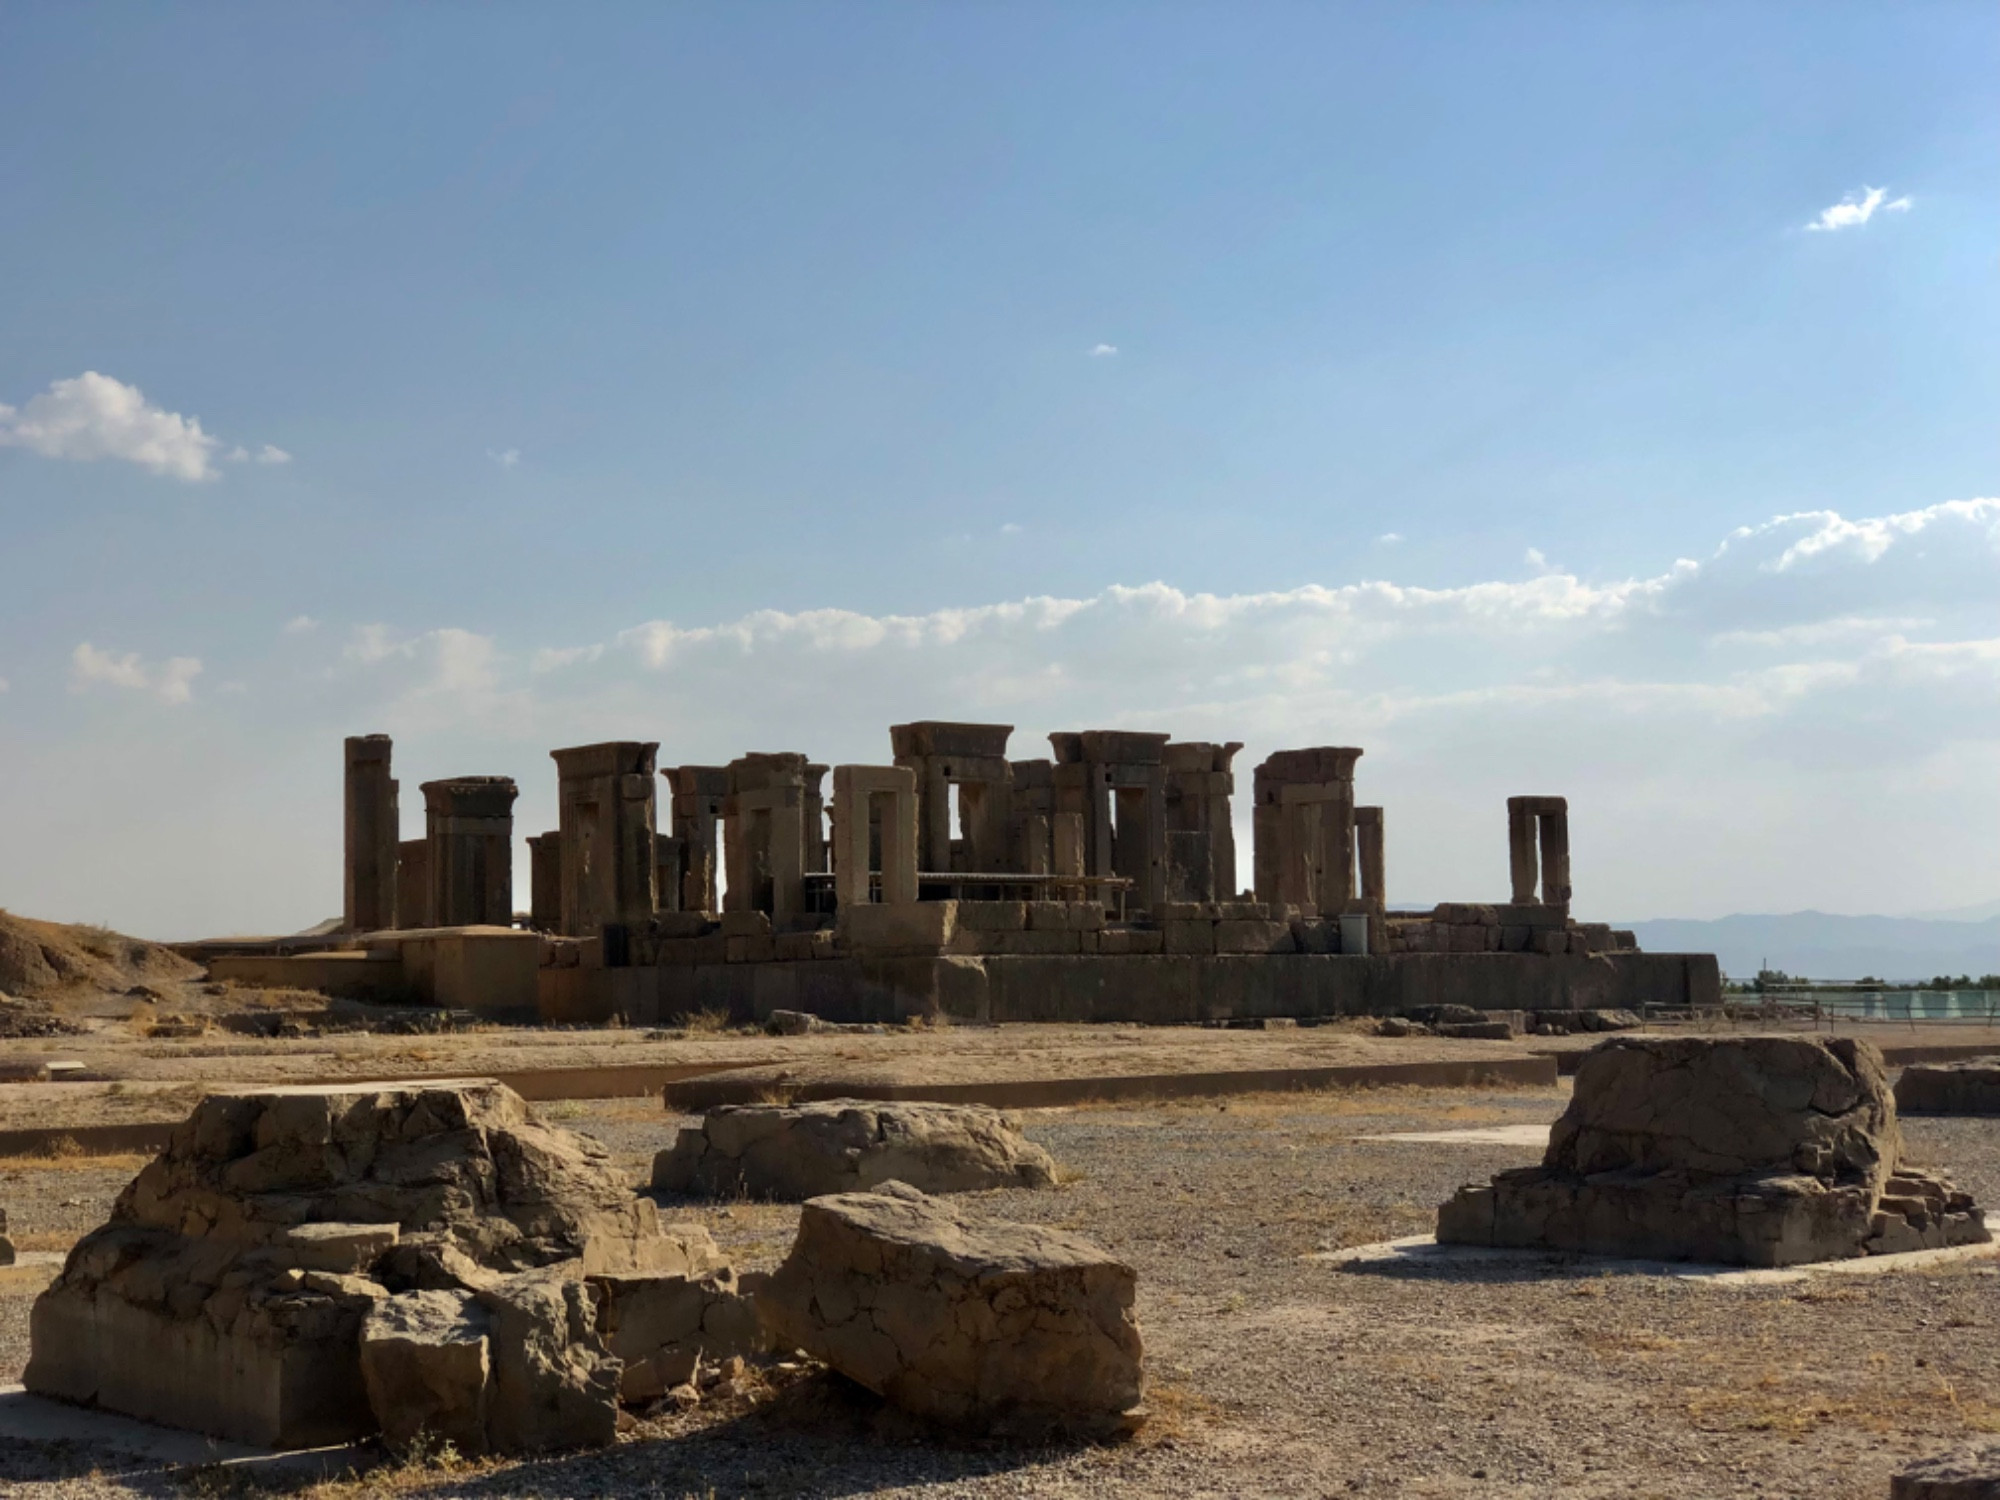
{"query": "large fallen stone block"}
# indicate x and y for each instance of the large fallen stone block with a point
(661, 1328)
(1763, 1151)
(518, 1367)
(230, 1289)
(426, 1359)
(554, 1383)
(798, 1151)
(977, 1324)
(1970, 1474)
(1951, 1088)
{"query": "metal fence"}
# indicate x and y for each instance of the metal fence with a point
(1823, 1003)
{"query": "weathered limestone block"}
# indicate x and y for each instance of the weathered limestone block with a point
(229, 1290)
(1969, 1474)
(6, 1245)
(1953, 1088)
(793, 1152)
(661, 1327)
(984, 1325)
(1764, 1151)
(554, 1384)
(426, 1359)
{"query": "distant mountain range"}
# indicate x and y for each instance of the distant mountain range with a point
(1820, 945)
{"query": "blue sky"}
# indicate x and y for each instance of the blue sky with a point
(576, 372)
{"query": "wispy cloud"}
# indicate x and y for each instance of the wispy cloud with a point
(172, 681)
(507, 458)
(1390, 538)
(270, 453)
(1857, 209)
(1103, 351)
(300, 625)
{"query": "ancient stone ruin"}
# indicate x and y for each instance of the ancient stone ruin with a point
(6, 1245)
(309, 1265)
(977, 1324)
(1951, 1088)
(795, 1152)
(1761, 1151)
(1098, 883)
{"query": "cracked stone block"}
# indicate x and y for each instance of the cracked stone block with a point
(794, 1152)
(230, 1290)
(1952, 1088)
(977, 1324)
(1762, 1151)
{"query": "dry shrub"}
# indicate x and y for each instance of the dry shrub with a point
(706, 1022)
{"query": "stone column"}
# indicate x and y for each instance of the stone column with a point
(1521, 865)
(545, 881)
(470, 820)
(369, 884)
(1303, 820)
(1544, 821)
(973, 758)
(609, 859)
(413, 883)
(870, 803)
(1555, 852)
(764, 835)
(698, 793)
(1368, 846)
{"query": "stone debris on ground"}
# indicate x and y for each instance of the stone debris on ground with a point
(665, 1327)
(243, 1269)
(1762, 1151)
(791, 1152)
(1969, 1474)
(980, 1325)
(1971, 1087)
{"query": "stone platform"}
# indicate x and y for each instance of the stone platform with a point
(1144, 989)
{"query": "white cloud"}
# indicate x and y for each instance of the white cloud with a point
(1857, 209)
(507, 458)
(300, 625)
(1103, 351)
(94, 416)
(1390, 538)
(172, 681)
(1010, 528)
(270, 453)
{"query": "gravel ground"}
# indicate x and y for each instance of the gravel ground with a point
(1271, 1374)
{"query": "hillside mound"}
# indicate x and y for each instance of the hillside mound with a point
(44, 959)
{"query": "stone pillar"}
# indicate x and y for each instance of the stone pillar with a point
(764, 836)
(1199, 785)
(1303, 822)
(413, 883)
(815, 820)
(1521, 863)
(470, 821)
(606, 802)
(545, 881)
(1543, 821)
(973, 758)
(1117, 781)
(1031, 801)
(871, 804)
(1554, 822)
(1066, 852)
(698, 795)
(1368, 846)
(369, 885)
(669, 860)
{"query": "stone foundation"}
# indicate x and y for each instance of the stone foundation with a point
(1762, 1151)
